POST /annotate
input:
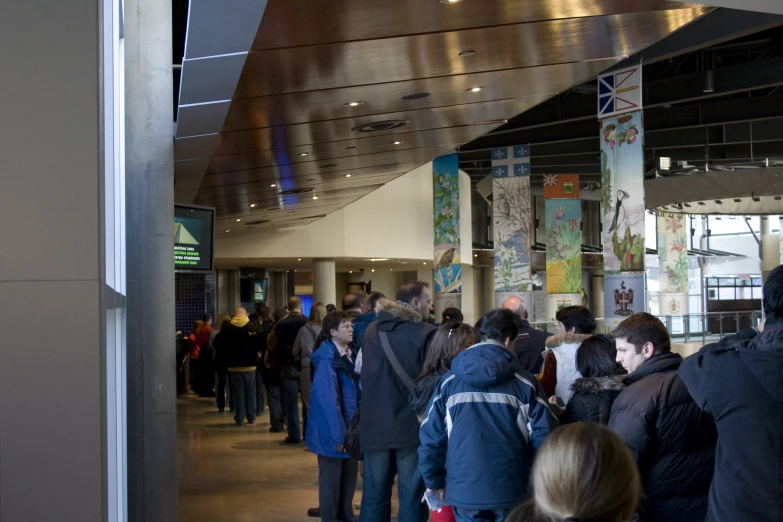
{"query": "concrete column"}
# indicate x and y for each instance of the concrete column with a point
(770, 245)
(426, 275)
(152, 449)
(597, 295)
(324, 281)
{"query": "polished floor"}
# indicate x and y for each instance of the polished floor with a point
(241, 474)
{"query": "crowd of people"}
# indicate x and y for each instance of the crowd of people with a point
(499, 421)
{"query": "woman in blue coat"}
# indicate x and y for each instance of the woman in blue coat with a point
(333, 403)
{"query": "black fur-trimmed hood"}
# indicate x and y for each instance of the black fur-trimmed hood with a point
(596, 385)
(400, 312)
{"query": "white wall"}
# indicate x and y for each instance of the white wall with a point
(52, 420)
(394, 221)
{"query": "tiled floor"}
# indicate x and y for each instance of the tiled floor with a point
(241, 474)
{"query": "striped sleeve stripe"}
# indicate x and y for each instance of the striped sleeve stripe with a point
(538, 399)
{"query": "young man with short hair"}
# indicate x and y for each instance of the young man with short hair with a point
(738, 382)
(671, 439)
(483, 426)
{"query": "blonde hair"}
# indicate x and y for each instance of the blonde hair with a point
(583, 471)
(317, 313)
(221, 318)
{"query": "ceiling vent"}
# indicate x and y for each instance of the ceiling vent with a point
(379, 126)
(416, 96)
(259, 222)
(295, 191)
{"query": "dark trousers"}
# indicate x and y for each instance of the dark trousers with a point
(260, 394)
(291, 393)
(223, 390)
(336, 486)
(275, 409)
(487, 515)
(244, 386)
(380, 466)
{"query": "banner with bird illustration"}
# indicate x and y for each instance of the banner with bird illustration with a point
(622, 192)
(511, 220)
(448, 268)
(563, 246)
(673, 261)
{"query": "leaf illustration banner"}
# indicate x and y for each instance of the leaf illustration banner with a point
(563, 246)
(673, 253)
(512, 218)
(448, 268)
(622, 192)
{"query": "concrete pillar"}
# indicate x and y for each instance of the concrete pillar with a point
(770, 245)
(426, 275)
(597, 295)
(152, 449)
(325, 281)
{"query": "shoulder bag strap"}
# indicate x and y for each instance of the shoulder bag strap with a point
(394, 362)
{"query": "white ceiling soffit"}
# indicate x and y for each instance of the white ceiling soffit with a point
(218, 38)
(764, 6)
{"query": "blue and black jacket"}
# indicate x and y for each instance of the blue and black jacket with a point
(483, 426)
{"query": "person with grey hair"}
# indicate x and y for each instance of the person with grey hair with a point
(530, 343)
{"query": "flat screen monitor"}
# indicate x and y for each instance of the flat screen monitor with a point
(194, 235)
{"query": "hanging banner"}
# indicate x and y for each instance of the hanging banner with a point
(512, 221)
(622, 192)
(624, 295)
(448, 269)
(673, 259)
(561, 186)
(555, 302)
(620, 92)
(563, 246)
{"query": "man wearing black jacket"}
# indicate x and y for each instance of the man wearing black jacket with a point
(739, 382)
(389, 428)
(671, 439)
(236, 342)
(530, 343)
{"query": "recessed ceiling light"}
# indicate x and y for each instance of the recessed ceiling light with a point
(475, 89)
(373, 270)
(348, 175)
(397, 142)
(315, 196)
(379, 259)
(303, 154)
(425, 264)
(299, 259)
(449, 1)
(391, 270)
(469, 52)
(252, 205)
(354, 103)
(238, 220)
(350, 271)
(475, 255)
(273, 185)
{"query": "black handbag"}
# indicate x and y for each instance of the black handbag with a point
(352, 442)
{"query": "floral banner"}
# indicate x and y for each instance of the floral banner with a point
(622, 192)
(512, 218)
(448, 268)
(673, 253)
(563, 246)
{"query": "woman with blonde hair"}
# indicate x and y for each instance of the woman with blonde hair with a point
(303, 348)
(584, 472)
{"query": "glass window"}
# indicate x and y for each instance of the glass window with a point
(726, 294)
(712, 294)
(726, 281)
(756, 292)
(756, 281)
(712, 281)
(744, 293)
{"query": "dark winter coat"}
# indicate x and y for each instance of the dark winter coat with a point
(482, 429)
(333, 401)
(671, 439)
(592, 399)
(739, 381)
(237, 347)
(360, 325)
(286, 331)
(529, 347)
(386, 420)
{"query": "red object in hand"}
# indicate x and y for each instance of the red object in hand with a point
(445, 515)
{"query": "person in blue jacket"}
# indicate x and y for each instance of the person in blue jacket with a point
(333, 403)
(483, 426)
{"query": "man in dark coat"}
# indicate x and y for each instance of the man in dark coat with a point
(235, 340)
(671, 439)
(739, 381)
(369, 314)
(388, 427)
(529, 346)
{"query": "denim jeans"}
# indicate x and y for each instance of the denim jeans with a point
(487, 515)
(260, 394)
(379, 471)
(291, 392)
(243, 384)
(275, 410)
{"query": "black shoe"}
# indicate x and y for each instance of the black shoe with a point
(221, 410)
(314, 512)
(272, 429)
(252, 421)
(289, 440)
